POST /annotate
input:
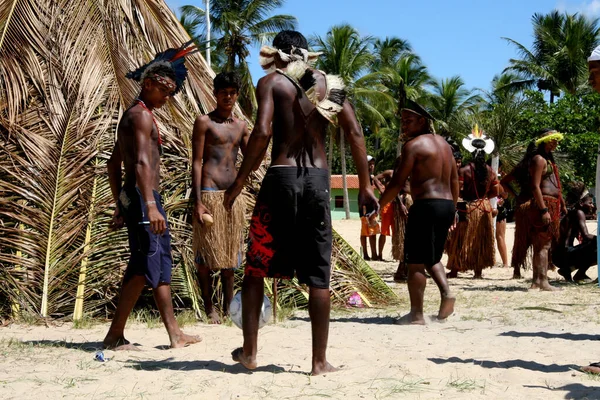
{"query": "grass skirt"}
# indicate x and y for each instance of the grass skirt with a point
(399, 231)
(528, 223)
(220, 245)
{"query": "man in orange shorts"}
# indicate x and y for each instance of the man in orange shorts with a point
(369, 225)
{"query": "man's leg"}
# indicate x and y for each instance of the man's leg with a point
(438, 273)
(501, 240)
(382, 240)
(130, 292)
(252, 299)
(164, 302)
(227, 284)
(373, 243)
(206, 287)
(541, 247)
(319, 305)
(363, 244)
(416, 291)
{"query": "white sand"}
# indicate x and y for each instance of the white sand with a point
(502, 343)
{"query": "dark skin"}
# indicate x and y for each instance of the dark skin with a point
(427, 159)
(380, 181)
(215, 145)
(373, 238)
(572, 226)
(137, 150)
(276, 96)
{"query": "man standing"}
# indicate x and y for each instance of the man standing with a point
(290, 231)
(427, 159)
(387, 213)
(217, 139)
(369, 227)
(138, 148)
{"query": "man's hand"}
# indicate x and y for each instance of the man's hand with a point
(546, 218)
(231, 194)
(403, 210)
(200, 209)
(367, 199)
(158, 225)
(117, 221)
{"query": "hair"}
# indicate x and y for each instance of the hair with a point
(164, 71)
(521, 171)
(286, 39)
(574, 192)
(455, 148)
(225, 80)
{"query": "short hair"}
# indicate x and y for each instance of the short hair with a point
(225, 80)
(164, 71)
(576, 192)
(285, 40)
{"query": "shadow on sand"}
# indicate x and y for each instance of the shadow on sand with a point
(549, 335)
(574, 391)
(216, 366)
(494, 288)
(84, 346)
(387, 320)
(530, 365)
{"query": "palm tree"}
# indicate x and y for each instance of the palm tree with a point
(238, 25)
(451, 103)
(388, 51)
(557, 59)
(347, 54)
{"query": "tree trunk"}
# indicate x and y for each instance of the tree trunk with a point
(345, 184)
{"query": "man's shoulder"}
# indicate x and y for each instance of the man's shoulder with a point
(137, 115)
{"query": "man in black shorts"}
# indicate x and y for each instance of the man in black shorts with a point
(427, 159)
(290, 229)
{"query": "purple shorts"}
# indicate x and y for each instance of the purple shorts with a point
(150, 253)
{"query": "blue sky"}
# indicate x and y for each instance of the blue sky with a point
(453, 37)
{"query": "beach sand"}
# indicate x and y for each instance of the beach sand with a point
(503, 342)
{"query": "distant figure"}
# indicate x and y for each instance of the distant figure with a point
(539, 205)
(139, 205)
(479, 184)
(217, 139)
(567, 256)
(290, 230)
(501, 216)
(386, 213)
(369, 227)
(427, 159)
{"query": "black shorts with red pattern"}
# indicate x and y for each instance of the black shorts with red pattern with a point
(290, 230)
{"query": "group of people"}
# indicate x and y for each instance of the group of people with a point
(290, 229)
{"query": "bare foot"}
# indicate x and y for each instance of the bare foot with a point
(118, 344)
(183, 340)
(247, 362)
(546, 287)
(322, 368)
(446, 307)
(213, 317)
(592, 369)
(477, 276)
(409, 319)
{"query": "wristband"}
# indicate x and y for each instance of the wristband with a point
(543, 210)
(150, 202)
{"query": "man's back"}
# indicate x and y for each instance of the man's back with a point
(474, 189)
(431, 174)
(298, 129)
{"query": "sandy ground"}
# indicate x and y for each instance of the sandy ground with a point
(503, 342)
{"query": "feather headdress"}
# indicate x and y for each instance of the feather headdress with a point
(268, 54)
(477, 140)
(172, 58)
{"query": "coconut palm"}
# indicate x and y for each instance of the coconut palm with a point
(557, 60)
(238, 25)
(347, 54)
(451, 104)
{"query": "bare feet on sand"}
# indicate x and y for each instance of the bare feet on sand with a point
(247, 362)
(411, 319)
(183, 340)
(322, 368)
(545, 287)
(213, 317)
(446, 307)
(118, 344)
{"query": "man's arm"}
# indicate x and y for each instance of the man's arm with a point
(454, 184)
(198, 138)
(583, 227)
(401, 174)
(356, 140)
(506, 184)
(245, 138)
(142, 125)
(258, 141)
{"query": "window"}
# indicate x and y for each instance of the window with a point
(339, 201)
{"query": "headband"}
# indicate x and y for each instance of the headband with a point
(548, 138)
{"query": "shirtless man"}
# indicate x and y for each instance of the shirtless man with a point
(138, 148)
(290, 229)
(216, 139)
(427, 159)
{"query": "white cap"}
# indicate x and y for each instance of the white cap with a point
(595, 56)
(369, 158)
